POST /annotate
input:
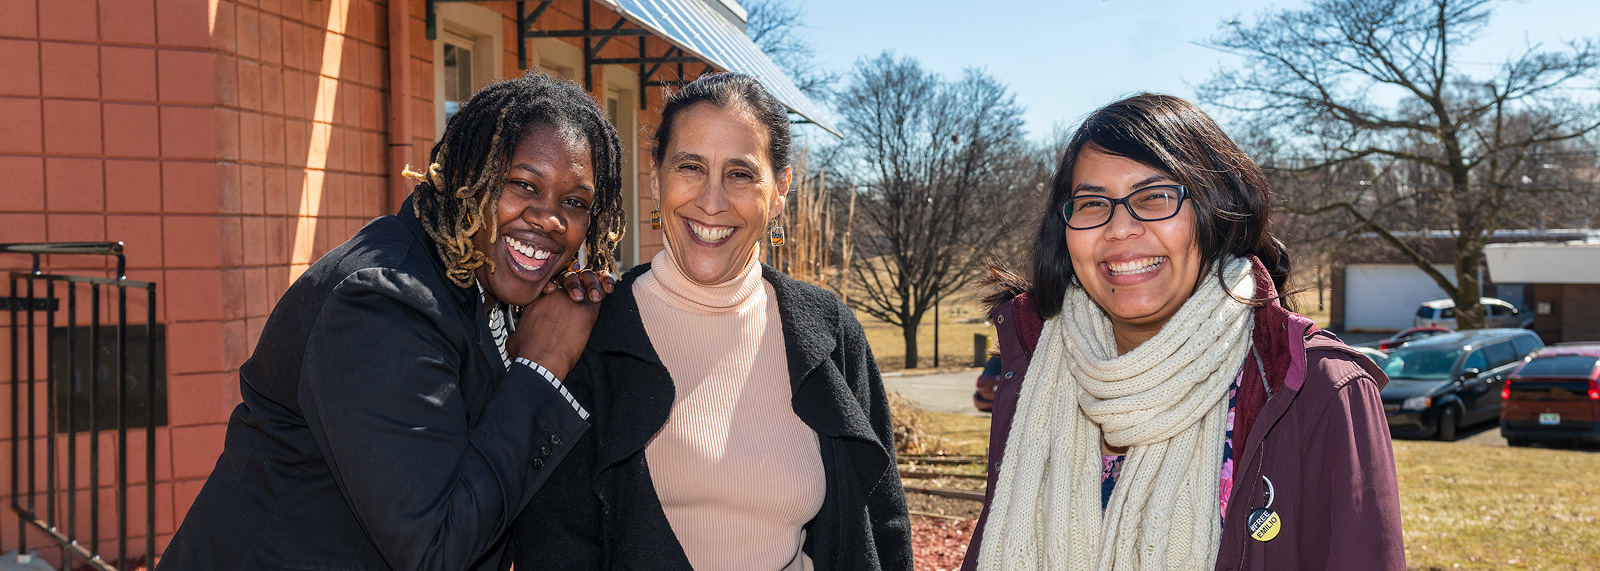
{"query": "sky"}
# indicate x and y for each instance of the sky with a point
(1065, 58)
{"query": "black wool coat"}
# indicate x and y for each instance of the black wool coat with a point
(379, 428)
(599, 510)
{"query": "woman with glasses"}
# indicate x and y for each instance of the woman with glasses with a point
(1176, 415)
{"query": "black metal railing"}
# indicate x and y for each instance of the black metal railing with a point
(74, 387)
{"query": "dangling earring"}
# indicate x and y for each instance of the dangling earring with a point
(655, 219)
(777, 236)
(580, 260)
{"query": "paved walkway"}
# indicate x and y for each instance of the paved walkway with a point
(943, 392)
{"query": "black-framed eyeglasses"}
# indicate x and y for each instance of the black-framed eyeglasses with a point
(1148, 204)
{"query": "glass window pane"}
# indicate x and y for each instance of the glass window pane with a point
(1476, 361)
(1559, 366)
(464, 77)
(1499, 354)
(457, 78)
(1525, 344)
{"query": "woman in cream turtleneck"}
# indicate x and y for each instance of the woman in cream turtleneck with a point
(739, 418)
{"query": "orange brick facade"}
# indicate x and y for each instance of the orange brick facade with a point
(228, 143)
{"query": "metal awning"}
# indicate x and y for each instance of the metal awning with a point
(697, 33)
(695, 28)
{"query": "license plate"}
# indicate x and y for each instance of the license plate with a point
(1549, 418)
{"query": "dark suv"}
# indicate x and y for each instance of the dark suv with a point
(1444, 382)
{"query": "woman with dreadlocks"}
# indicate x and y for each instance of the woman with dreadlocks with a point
(405, 399)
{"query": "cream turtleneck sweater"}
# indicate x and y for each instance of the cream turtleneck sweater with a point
(738, 473)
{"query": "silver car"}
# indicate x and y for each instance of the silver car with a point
(1496, 313)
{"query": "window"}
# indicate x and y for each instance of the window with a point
(1422, 363)
(1525, 344)
(557, 58)
(1560, 366)
(1497, 310)
(467, 55)
(1476, 360)
(458, 84)
(621, 117)
(620, 99)
(1499, 354)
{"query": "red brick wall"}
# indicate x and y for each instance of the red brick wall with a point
(1580, 312)
(187, 134)
(188, 130)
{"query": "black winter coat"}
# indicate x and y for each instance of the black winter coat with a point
(600, 510)
(380, 429)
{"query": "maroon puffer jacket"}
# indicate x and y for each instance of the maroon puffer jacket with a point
(1319, 433)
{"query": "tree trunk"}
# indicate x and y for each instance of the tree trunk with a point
(910, 333)
(1468, 293)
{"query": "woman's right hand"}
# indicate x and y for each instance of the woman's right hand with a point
(553, 330)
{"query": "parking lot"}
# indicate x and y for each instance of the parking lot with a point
(951, 392)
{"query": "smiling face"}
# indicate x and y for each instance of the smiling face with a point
(1139, 272)
(542, 215)
(716, 189)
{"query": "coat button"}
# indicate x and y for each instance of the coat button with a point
(1000, 319)
(997, 465)
(546, 452)
(538, 463)
(555, 439)
(1010, 374)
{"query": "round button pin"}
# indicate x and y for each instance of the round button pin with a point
(1264, 524)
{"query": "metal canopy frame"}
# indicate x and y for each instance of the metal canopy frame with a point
(594, 40)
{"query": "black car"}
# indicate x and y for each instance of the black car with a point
(1444, 382)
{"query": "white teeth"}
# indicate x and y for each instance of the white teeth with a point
(710, 234)
(527, 250)
(1138, 266)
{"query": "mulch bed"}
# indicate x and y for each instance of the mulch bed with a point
(939, 544)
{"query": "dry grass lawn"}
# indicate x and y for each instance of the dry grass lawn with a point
(955, 336)
(1465, 506)
(1486, 507)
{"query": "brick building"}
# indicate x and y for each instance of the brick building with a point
(1376, 288)
(1565, 278)
(230, 143)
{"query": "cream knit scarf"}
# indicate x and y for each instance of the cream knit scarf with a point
(1166, 400)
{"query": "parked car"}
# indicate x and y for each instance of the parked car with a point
(1441, 383)
(983, 398)
(1412, 334)
(1377, 356)
(1496, 313)
(1555, 395)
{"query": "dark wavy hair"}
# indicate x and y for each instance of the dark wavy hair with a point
(456, 197)
(1232, 201)
(723, 90)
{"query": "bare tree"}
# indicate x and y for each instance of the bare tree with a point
(778, 29)
(1379, 81)
(940, 165)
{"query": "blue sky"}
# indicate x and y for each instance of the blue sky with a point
(1064, 58)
